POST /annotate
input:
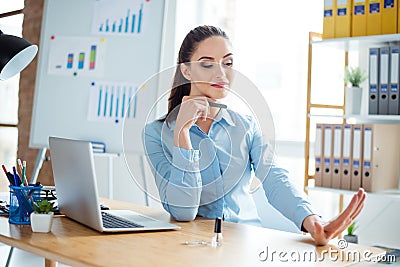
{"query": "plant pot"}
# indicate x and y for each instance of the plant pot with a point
(41, 222)
(353, 100)
(351, 238)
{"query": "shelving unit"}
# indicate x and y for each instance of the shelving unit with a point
(346, 45)
(394, 194)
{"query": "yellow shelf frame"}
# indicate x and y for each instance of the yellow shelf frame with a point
(313, 36)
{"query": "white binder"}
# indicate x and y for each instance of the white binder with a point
(337, 155)
(318, 154)
(346, 167)
(327, 162)
(357, 157)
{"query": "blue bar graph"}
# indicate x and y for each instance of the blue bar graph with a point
(129, 22)
(115, 102)
(140, 18)
(99, 102)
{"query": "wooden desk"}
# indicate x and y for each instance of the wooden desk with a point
(73, 244)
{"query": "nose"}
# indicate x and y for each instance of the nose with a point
(220, 71)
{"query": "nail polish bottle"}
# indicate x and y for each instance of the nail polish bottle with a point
(217, 238)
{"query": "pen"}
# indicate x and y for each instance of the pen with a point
(20, 166)
(217, 105)
(24, 180)
(9, 176)
(16, 182)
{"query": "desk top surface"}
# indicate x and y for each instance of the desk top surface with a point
(74, 244)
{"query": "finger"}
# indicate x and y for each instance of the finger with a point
(346, 223)
(340, 223)
(359, 207)
(340, 230)
(344, 216)
(357, 212)
(205, 107)
(351, 207)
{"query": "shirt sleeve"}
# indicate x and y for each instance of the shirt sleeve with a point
(176, 174)
(279, 189)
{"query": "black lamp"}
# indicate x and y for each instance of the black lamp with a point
(15, 54)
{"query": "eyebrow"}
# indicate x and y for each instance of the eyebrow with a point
(227, 55)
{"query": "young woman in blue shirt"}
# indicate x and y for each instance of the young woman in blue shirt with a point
(203, 156)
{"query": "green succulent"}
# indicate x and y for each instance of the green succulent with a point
(351, 229)
(43, 206)
(354, 76)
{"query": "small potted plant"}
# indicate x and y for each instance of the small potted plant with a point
(351, 237)
(353, 78)
(42, 217)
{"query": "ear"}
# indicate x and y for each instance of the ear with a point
(185, 70)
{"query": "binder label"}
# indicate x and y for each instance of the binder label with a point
(367, 143)
(328, 13)
(374, 8)
(359, 10)
(346, 143)
(356, 163)
(357, 144)
(367, 164)
(342, 11)
(336, 162)
(346, 162)
(388, 4)
(318, 160)
(327, 161)
(384, 69)
(372, 88)
(394, 70)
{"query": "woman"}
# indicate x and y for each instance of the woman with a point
(202, 155)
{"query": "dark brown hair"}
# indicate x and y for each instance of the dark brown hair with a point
(180, 85)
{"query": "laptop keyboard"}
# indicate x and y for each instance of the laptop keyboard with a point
(112, 221)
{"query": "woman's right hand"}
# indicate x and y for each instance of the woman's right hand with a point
(191, 109)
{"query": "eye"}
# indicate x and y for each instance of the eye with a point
(206, 65)
(228, 63)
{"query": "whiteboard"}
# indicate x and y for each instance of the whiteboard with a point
(94, 59)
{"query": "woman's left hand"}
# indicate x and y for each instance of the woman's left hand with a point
(323, 232)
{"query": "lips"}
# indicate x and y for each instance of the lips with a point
(218, 85)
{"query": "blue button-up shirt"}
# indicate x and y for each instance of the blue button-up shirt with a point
(213, 179)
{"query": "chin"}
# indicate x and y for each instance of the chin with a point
(217, 96)
(217, 93)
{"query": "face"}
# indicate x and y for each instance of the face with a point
(210, 70)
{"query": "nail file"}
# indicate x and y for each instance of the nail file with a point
(217, 105)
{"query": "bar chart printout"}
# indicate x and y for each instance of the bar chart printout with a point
(78, 56)
(120, 17)
(112, 103)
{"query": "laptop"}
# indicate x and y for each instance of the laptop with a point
(77, 196)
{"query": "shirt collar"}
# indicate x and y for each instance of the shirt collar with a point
(225, 115)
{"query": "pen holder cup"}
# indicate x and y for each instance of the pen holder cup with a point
(21, 203)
